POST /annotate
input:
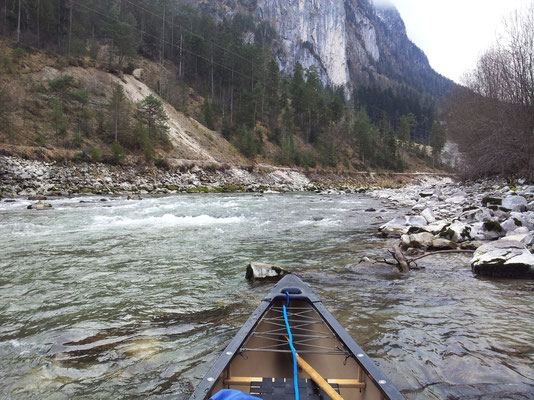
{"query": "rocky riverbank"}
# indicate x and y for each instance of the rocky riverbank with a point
(24, 178)
(494, 220)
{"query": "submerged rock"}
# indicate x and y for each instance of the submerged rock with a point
(503, 258)
(261, 271)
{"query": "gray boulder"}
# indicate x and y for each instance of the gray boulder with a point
(400, 225)
(503, 258)
(515, 203)
(40, 205)
(456, 200)
(457, 232)
(428, 215)
(511, 225)
(524, 238)
(260, 271)
(417, 240)
(443, 244)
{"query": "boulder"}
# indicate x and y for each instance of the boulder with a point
(40, 205)
(471, 245)
(426, 193)
(428, 215)
(488, 230)
(400, 225)
(417, 240)
(436, 227)
(139, 73)
(503, 258)
(419, 207)
(515, 203)
(261, 271)
(457, 232)
(442, 244)
(524, 238)
(530, 206)
(525, 219)
(456, 200)
(511, 224)
(134, 197)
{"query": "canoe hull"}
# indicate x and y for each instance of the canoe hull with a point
(260, 350)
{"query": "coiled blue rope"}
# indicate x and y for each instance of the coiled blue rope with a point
(295, 373)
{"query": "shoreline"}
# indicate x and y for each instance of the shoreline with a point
(21, 177)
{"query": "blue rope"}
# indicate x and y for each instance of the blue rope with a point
(295, 373)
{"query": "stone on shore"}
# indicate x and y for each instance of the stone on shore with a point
(457, 232)
(417, 240)
(400, 225)
(524, 238)
(442, 244)
(515, 203)
(40, 205)
(503, 258)
(261, 271)
(428, 215)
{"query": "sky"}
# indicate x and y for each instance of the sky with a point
(454, 33)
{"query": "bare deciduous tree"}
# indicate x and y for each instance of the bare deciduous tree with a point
(492, 118)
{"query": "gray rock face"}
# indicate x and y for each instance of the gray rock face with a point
(348, 41)
(503, 258)
(311, 30)
(515, 203)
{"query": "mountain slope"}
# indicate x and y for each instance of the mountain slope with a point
(350, 42)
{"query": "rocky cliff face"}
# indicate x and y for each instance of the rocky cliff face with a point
(349, 41)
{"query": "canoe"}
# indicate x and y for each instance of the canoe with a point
(259, 360)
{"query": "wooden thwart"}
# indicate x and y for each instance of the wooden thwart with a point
(247, 380)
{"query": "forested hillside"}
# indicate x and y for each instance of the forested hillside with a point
(222, 72)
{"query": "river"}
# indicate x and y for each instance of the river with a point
(123, 299)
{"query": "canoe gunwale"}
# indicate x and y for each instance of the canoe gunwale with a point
(298, 291)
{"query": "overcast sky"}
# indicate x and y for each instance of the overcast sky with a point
(454, 33)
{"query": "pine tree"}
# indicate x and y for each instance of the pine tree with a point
(118, 113)
(437, 140)
(151, 112)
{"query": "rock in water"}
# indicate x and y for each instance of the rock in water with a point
(503, 258)
(261, 271)
(40, 205)
(134, 197)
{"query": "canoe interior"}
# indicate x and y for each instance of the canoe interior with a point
(265, 353)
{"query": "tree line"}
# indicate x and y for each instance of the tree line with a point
(231, 64)
(492, 117)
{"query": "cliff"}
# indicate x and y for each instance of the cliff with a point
(350, 42)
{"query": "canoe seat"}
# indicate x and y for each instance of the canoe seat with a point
(283, 389)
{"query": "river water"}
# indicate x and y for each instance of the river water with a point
(122, 299)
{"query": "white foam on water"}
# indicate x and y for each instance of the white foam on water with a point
(166, 220)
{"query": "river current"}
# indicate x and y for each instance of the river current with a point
(125, 300)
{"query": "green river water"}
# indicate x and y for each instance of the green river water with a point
(133, 300)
